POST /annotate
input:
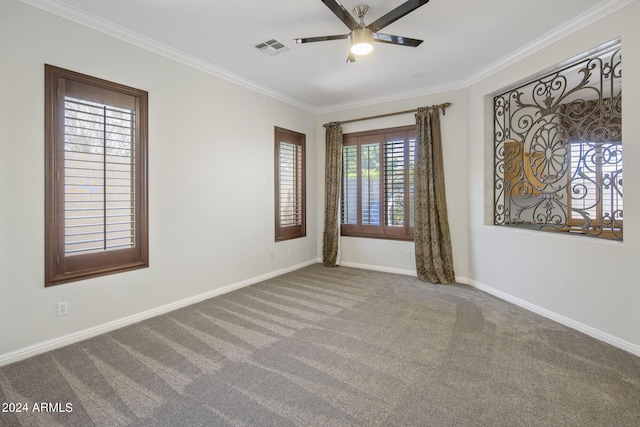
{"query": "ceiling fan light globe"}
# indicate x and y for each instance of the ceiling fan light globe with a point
(361, 41)
(361, 48)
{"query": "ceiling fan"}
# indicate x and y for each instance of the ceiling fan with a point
(362, 36)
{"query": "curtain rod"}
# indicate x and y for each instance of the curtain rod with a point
(441, 106)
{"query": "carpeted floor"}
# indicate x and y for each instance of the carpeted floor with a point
(332, 347)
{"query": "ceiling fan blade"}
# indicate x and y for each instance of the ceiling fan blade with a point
(391, 39)
(395, 14)
(342, 13)
(321, 38)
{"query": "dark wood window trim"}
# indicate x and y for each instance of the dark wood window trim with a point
(389, 212)
(290, 185)
(95, 187)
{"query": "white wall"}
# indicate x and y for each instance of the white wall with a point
(211, 217)
(389, 255)
(590, 284)
(199, 122)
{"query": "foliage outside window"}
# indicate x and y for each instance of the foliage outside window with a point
(377, 183)
(96, 177)
(290, 184)
(558, 149)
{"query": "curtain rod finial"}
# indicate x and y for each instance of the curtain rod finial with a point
(332, 124)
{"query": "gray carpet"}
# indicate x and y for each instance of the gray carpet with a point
(332, 347)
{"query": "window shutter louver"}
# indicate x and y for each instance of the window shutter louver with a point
(398, 191)
(350, 184)
(394, 189)
(99, 191)
(370, 177)
(289, 185)
(412, 165)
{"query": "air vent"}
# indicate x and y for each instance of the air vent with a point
(271, 47)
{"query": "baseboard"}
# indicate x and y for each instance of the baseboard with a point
(585, 329)
(379, 268)
(55, 343)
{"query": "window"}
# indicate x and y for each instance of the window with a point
(377, 183)
(96, 177)
(558, 149)
(596, 185)
(290, 184)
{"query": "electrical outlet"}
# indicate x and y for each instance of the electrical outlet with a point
(63, 308)
(273, 256)
(289, 252)
(407, 253)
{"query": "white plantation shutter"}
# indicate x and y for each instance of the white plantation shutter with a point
(350, 184)
(398, 185)
(411, 167)
(99, 176)
(370, 178)
(289, 184)
(394, 172)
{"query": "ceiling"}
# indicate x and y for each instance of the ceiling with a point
(463, 39)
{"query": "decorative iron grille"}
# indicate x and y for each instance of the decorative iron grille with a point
(558, 149)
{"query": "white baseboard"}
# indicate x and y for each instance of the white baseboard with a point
(55, 343)
(379, 268)
(573, 324)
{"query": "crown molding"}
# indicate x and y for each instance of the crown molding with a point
(81, 17)
(414, 93)
(107, 27)
(586, 18)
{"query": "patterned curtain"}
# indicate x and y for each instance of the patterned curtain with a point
(434, 260)
(333, 184)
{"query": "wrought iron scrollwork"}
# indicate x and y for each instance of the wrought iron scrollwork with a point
(558, 149)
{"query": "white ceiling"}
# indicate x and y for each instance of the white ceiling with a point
(462, 40)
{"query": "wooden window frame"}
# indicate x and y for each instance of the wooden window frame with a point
(380, 231)
(299, 229)
(61, 267)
